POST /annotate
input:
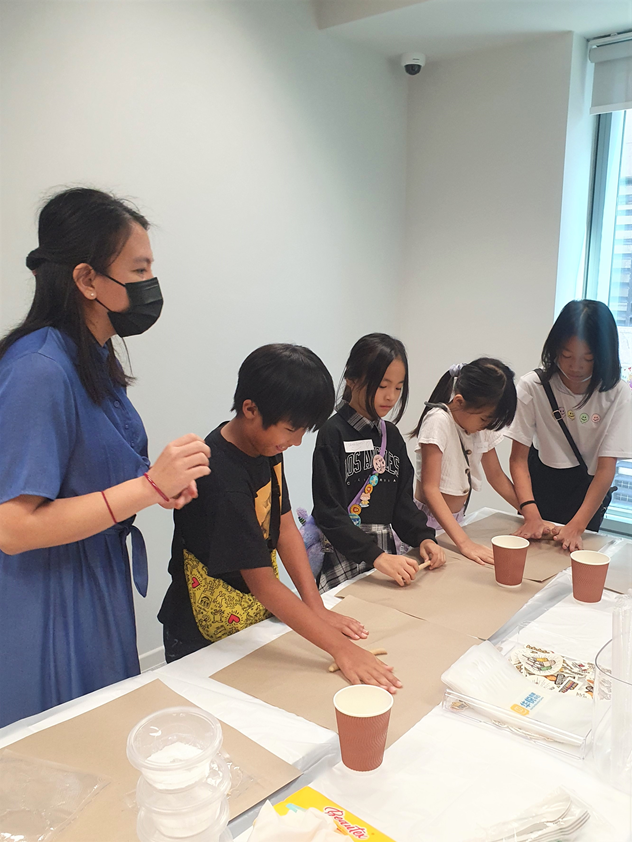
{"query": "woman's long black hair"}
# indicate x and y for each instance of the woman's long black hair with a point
(78, 225)
(483, 382)
(368, 360)
(593, 323)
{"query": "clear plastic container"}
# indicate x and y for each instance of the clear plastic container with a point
(148, 829)
(174, 748)
(184, 813)
(611, 739)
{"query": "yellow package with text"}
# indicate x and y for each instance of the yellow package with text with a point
(348, 825)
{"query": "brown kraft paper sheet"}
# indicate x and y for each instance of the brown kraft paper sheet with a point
(96, 742)
(545, 558)
(461, 595)
(292, 674)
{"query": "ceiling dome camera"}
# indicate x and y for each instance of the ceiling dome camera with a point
(413, 62)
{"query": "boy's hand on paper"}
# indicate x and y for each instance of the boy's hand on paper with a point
(361, 667)
(432, 552)
(347, 625)
(476, 552)
(569, 536)
(401, 568)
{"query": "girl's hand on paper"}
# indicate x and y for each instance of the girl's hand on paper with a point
(432, 552)
(569, 536)
(401, 568)
(347, 625)
(476, 552)
(535, 527)
(361, 667)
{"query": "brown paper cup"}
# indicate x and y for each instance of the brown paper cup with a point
(362, 713)
(589, 575)
(510, 555)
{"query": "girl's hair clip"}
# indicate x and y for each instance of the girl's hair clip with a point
(455, 369)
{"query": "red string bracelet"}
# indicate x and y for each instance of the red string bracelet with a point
(152, 483)
(109, 507)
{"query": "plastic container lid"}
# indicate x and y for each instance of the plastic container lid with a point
(181, 729)
(147, 831)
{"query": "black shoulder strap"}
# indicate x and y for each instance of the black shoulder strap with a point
(558, 417)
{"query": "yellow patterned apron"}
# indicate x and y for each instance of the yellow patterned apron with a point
(218, 608)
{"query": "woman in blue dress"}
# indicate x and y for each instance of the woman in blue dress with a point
(73, 459)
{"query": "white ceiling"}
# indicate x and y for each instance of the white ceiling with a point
(443, 28)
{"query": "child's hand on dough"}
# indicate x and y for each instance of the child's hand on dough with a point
(361, 667)
(401, 568)
(433, 553)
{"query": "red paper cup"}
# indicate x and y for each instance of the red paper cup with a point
(510, 555)
(589, 575)
(362, 713)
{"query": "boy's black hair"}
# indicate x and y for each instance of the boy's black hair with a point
(368, 360)
(483, 382)
(593, 323)
(287, 383)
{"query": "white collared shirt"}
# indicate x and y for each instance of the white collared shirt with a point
(602, 427)
(440, 428)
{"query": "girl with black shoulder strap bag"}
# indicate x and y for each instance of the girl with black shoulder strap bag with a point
(560, 491)
(568, 478)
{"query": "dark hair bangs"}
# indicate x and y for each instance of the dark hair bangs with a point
(367, 363)
(287, 383)
(593, 323)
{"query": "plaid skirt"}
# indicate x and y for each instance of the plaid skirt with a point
(337, 568)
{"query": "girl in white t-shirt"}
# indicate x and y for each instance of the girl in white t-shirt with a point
(457, 437)
(580, 362)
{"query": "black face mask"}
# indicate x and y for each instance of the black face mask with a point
(145, 305)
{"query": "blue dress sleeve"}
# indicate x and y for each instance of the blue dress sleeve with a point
(37, 427)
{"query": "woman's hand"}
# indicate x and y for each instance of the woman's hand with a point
(476, 552)
(535, 527)
(347, 625)
(401, 568)
(178, 466)
(361, 667)
(430, 551)
(185, 497)
(569, 536)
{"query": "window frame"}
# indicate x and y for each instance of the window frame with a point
(602, 226)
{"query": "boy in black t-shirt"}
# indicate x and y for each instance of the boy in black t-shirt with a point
(223, 561)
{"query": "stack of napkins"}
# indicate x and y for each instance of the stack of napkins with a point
(483, 674)
(300, 826)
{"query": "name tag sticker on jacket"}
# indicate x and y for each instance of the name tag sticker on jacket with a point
(357, 446)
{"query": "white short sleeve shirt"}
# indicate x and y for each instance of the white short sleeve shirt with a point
(602, 427)
(440, 428)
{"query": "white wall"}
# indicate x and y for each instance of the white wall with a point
(486, 139)
(269, 155)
